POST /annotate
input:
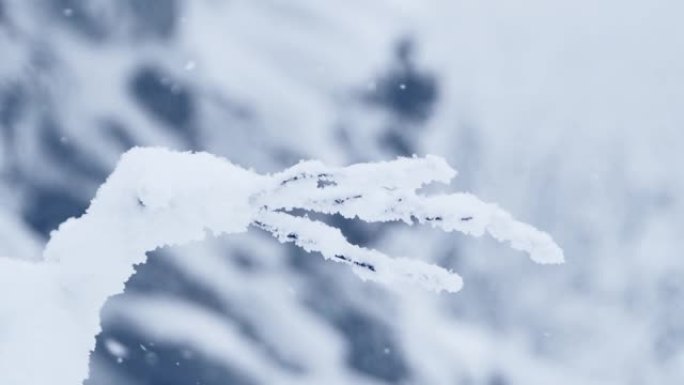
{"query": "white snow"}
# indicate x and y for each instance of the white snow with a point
(116, 348)
(156, 198)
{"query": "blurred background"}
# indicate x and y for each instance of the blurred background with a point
(568, 114)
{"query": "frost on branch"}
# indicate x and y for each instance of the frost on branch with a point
(157, 198)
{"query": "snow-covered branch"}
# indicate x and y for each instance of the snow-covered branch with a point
(157, 198)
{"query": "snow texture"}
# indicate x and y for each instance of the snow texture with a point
(156, 198)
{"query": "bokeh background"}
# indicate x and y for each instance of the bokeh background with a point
(568, 114)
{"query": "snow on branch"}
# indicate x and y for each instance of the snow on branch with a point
(386, 191)
(157, 198)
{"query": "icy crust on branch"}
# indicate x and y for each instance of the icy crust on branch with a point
(49, 311)
(387, 191)
(315, 236)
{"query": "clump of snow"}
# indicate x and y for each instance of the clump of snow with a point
(49, 311)
(116, 349)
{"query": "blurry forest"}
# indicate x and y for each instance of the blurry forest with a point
(567, 114)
